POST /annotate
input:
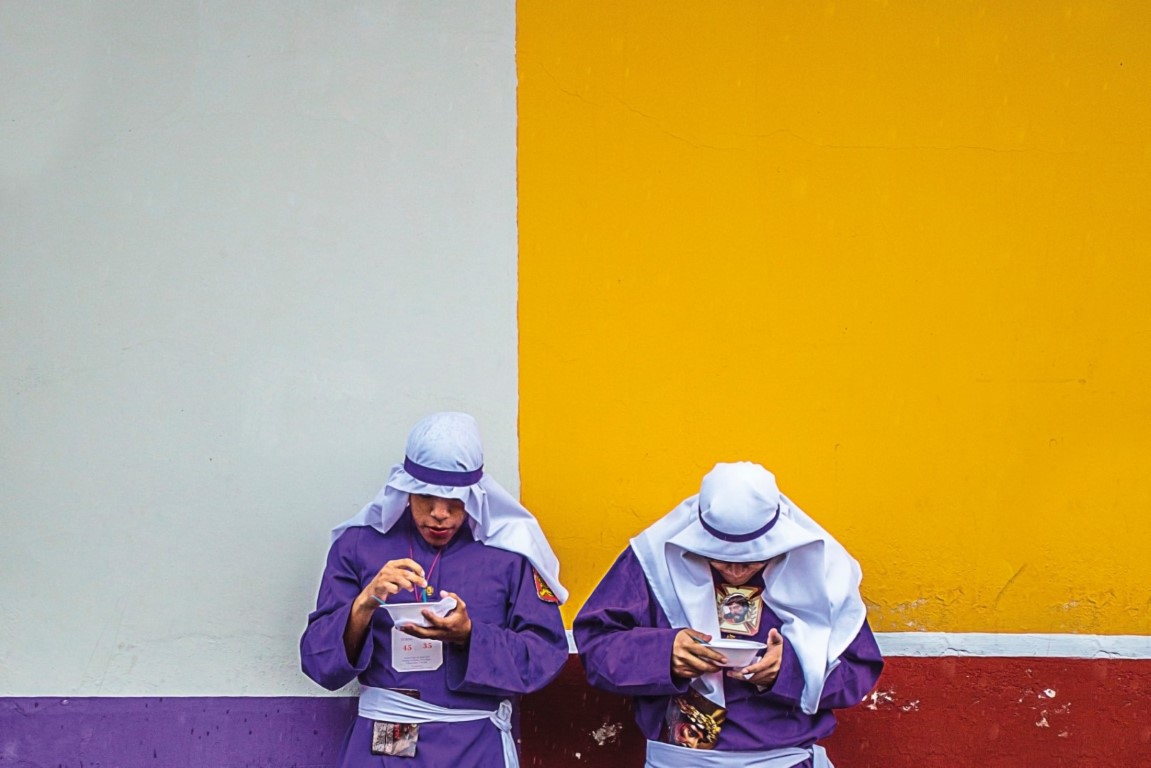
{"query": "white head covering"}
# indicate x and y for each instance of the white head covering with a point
(445, 458)
(739, 515)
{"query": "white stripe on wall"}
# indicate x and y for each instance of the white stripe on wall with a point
(991, 644)
(1053, 646)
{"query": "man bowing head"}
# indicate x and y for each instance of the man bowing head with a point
(442, 597)
(736, 622)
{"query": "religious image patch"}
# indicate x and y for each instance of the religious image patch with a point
(739, 609)
(543, 591)
(693, 721)
(396, 739)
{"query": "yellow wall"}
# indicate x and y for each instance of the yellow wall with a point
(896, 252)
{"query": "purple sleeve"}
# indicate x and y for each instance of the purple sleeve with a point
(856, 674)
(522, 656)
(322, 654)
(624, 639)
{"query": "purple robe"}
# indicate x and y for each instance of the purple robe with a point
(517, 644)
(625, 642)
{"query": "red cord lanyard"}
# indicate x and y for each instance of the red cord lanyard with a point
(427, 591)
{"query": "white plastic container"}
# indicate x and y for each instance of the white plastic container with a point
(739, 653)
(404, 614)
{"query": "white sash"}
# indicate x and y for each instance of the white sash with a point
(662, 755)
(394, 707)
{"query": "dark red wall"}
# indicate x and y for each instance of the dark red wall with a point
(948, 712)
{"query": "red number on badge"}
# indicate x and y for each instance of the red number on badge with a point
(406, 646)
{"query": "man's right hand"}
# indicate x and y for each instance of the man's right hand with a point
(396, 575)
(690, 657)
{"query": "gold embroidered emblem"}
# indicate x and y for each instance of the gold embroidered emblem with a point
(543, 591)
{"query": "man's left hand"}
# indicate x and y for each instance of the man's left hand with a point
(456, 627)
(764, 671)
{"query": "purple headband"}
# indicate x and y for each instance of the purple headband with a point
(738, 538)
(442, 476)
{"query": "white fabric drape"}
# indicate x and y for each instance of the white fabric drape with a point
(450, 442)
(813, 588)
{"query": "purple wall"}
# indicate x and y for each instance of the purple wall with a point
(285, 732)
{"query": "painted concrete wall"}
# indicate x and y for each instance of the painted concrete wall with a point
(243, 247)
(978, 712)
(897, 252)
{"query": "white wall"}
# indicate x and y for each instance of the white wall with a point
(243, 247)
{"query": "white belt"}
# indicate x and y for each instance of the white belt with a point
(393, 707)
(662, 755)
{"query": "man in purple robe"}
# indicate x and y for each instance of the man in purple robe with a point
(444, 534)
(736, 562)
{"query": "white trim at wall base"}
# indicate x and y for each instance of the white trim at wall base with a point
(994, 644)
(1044, 646)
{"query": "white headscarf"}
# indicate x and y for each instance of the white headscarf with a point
(739, 515)
(445, 457)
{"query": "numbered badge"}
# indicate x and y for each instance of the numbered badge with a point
(414, 654)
